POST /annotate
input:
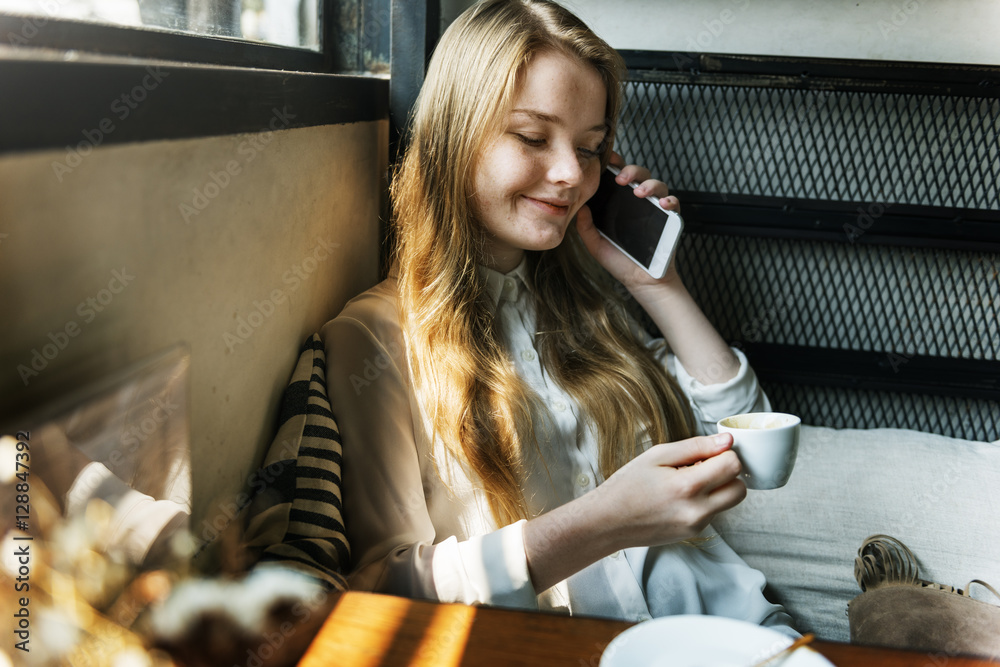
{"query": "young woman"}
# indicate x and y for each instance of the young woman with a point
(511, 436)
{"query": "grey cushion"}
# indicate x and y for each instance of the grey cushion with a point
(295, 519)
(939, 495)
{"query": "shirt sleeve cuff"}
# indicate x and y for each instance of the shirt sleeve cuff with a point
(710, 403)
(487, 569)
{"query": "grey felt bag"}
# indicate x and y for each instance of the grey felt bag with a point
(899, 610)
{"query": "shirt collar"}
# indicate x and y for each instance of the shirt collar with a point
(502, 287)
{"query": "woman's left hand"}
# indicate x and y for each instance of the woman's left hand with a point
(689, 334)
(610, 257)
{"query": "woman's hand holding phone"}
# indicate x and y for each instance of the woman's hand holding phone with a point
(618, 264)
(648, 186)
(689, 334)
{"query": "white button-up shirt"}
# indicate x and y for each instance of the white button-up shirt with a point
(419, 525)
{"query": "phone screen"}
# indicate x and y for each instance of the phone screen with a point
(632, 223)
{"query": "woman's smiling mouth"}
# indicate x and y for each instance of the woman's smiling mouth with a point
(550, 206)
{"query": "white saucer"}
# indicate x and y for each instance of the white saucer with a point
(702, 641)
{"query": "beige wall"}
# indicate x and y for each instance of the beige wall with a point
(296, 217)
(952, 31)
(958, 31)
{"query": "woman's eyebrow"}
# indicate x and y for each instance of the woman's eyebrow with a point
(549, 118)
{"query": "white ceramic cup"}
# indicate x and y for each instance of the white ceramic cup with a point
(766, 444)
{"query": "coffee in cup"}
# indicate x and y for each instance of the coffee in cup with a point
(766, 444)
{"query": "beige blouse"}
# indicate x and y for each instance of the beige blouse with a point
(425, 531)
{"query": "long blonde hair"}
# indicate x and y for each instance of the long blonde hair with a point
(475, 401)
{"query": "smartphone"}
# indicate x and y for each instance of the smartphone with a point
(640, 228)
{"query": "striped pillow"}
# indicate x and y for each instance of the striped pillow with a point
(295, 519)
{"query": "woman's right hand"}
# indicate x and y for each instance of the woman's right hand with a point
(672, 491)
(669, 493)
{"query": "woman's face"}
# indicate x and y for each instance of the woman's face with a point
(533, 178)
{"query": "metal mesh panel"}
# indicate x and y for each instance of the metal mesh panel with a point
(850, 408)
(899, 301)
(831, 145)
(872, 298)
(836, 146)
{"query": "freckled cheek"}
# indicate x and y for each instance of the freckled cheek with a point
(527, 172)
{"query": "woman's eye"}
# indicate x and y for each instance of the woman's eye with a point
(538, 142)
(530, 141)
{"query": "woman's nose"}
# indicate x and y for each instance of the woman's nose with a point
(565, 166)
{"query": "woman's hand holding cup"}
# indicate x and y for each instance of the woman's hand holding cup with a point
(672, 491)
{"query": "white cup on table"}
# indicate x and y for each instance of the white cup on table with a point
(766, 444)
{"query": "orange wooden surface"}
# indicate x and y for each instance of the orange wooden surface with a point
(369, 630)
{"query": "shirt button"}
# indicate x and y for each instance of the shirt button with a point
(583, 479)
(643, 617)
(559, 406)
(616, 555)
(528, 355)
(509, 284)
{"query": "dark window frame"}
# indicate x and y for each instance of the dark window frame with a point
(156, 44)
(75, 85)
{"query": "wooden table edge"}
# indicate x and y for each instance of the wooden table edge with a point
(371, 629)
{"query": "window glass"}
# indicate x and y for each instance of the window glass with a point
(282, 22)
